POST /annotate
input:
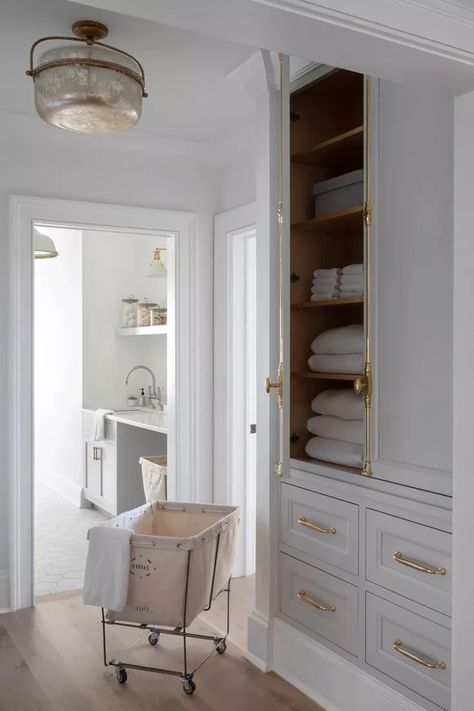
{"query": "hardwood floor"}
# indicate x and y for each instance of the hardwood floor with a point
(51, 660)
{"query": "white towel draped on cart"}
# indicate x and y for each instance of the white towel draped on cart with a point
(107, 567)
(336, 428)
(334, 451)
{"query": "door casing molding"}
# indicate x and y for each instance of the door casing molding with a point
(23, 211)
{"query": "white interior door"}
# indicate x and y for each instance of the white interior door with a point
(235, 373)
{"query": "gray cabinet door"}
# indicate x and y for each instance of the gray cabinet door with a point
(319, 601)
(321, 526)
(410, 649)
(92, 469)
(410, 559)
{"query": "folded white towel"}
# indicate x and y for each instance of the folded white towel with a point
(342, 363)
(352, 279)
(337, 428)
(332, 450)
(327, 278)
(99, 424)
(349, 293)
(346, 339)
(107, 567)
(353, 269)
(339, 403)
(325, 295)
(320, 288)
(327, 272)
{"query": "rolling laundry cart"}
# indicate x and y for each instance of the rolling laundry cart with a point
(181, 558)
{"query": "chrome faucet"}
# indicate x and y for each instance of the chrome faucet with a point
(154, 393)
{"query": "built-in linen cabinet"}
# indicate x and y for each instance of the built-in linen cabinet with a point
(365, 548)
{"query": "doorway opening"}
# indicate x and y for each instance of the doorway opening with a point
(103, 379)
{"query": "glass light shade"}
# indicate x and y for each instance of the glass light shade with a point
(44, 247)
(157, 269)
(87, 99)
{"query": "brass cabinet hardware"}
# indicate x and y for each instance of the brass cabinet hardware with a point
(96, 452)
(361, 385)
(398, 557)
(278, 385)
(397, 645)
(314, 603)
(303, 521)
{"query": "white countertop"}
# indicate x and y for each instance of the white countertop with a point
(154, 420)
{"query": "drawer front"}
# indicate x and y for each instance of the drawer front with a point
(321, 526)
(410, 559)
(304, 588)
(402, 645)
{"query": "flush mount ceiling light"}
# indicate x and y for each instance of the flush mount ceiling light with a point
(157, 268)
(90, 87)
(43, 245)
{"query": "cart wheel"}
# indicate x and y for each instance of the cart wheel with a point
(221, 648)
(121, 675)
(189, 687)
(154, 638)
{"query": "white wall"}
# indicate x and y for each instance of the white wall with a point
(463, 391)
(58, 366)
(40, 160)
(114, 267)
(236, 183)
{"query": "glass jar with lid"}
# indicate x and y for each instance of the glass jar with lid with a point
(144, 312)
(129, 312)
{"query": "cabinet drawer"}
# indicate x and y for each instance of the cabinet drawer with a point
(404, 646)
(321, 526)
(410, 559)
(305, 590)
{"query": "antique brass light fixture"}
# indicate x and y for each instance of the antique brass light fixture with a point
(157, 268)
(90, 86)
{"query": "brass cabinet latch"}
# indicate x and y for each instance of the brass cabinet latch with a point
(278, 385)
(363, 385)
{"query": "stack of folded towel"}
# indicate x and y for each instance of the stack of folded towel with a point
(352, 281)
(339, 350)
(325, 284)
(338, 426)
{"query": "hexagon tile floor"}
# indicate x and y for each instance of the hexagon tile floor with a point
(60, 541)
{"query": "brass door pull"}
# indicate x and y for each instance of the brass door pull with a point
(269, 385)
(397, 645)
(314, 527)
(398, 557)
(96, 454)
(314, 603)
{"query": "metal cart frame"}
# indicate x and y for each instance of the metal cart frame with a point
(154, 632)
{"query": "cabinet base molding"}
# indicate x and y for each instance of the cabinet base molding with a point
(4, 591)
(259, 643)
(69, 490)
(328, 679)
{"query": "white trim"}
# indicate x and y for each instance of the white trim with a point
(328, 678)
(4, 591)
(22, 212)
(69, 490)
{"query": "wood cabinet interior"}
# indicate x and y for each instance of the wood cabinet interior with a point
(326, 140)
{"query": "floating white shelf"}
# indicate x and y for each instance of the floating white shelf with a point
(142, 331)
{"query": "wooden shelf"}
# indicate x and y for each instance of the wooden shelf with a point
(342, 153)
(142, 331)
(326, 376)
(308, 305)
(342, 222)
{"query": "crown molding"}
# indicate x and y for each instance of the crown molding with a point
(447, 8)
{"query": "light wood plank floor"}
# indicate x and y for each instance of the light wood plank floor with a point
(50, 660)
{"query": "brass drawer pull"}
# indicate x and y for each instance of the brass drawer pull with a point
(314, 603)
(398, 557)
(313, 527)
(397, 645)
(96, 454)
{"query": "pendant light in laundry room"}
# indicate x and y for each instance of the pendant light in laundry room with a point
(157, 269)
(89, 86)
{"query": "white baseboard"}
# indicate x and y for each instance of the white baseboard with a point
(4, 591)
(330, 680)
(259, 641)
(69, 490)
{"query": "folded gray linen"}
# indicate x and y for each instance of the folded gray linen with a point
(353, 269)
(346, 339)
(324, 295)
(337, 428)
(339, 403)
(349, 293)
(334, 272)
(343, 363)
(334, 451)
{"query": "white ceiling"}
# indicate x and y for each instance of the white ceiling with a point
(189, 94)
